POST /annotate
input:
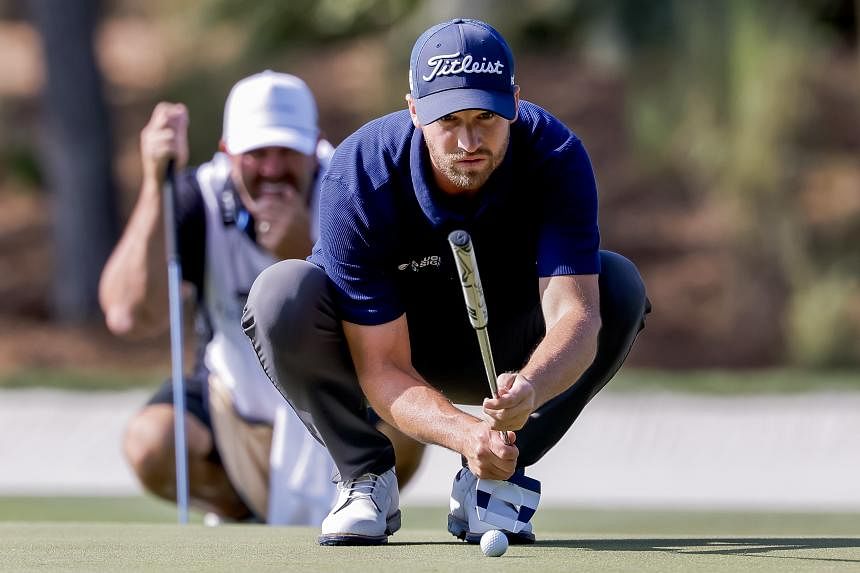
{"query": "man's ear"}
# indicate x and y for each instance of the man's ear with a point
(222, 146)
(516, 103)
(410, 103)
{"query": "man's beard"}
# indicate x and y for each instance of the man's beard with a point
(262, 189)
(467, 180)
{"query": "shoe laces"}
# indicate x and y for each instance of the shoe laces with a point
(360, 487)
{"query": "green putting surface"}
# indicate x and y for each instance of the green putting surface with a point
(137, 534)
(153, 547)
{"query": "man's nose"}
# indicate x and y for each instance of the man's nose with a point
(469, 139)
(272, 165)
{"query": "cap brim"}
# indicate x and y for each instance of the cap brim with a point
(433, 106)
(300, 141)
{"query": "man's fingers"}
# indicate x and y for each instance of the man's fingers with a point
(508, 402)
(160, 112)
(495, 467)
(489, 457)
(504, 382)
(507, 418)
(166, 112)
(162, 144)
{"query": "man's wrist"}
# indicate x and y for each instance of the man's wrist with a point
(527, 379)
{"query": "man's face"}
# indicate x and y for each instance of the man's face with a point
(465, 147)
(271, 172)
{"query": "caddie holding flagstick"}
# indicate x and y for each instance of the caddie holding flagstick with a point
(373, 324)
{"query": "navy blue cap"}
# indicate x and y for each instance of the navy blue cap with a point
(461, 64)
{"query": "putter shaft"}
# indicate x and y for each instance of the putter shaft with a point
(476, 306)
(174, 295)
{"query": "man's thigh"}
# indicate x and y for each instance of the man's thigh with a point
(244, 448)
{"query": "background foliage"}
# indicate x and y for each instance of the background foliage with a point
(725, 135)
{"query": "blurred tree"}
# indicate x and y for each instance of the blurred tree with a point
(76, 155)
(275, 23)
(721, 90)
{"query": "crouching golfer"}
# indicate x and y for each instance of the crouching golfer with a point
(376, 317)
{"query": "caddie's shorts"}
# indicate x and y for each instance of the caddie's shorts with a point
(196, 400)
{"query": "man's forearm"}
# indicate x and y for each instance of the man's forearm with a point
(418, 410)
(567, 350)
(133, 285)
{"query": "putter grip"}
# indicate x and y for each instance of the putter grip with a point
(470, 280)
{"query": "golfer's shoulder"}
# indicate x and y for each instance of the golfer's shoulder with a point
(375, 152)
(542, 136)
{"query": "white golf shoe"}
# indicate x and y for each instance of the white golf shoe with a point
(366, 512)
(463, 520)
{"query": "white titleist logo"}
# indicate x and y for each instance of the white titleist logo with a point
(450, 64)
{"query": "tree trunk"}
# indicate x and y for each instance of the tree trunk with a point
(76, 155)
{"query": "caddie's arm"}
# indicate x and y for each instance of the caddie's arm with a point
(133, 285)
(398, 393)
(571, 309)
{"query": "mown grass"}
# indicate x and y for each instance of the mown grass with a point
(89, 379)
(140, 534)
(569, 520)
(733, 382)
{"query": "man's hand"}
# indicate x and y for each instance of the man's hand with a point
(488, 456)
(516, 400)
(163, 138)
(282, 219)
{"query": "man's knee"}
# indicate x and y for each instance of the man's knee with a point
(148, 444)
(283, 303)
(149, 448)
(623, 302)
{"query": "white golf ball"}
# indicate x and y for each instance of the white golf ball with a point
(494, 543)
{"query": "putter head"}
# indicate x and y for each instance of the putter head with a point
(494, 498)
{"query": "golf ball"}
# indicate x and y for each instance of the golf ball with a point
(494, 543)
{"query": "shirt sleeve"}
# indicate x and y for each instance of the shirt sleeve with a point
(569, 237)
(354, 254)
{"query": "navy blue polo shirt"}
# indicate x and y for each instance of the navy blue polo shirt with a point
(384, 224)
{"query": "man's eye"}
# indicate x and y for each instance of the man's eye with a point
(487, 115)
(447, 118)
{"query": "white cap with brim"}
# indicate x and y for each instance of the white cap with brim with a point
(270, 109)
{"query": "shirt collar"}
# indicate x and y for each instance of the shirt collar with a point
(428, 194)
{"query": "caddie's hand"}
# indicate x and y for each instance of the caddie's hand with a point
(282, 219)
(163, 138)
(487, 455)
(515, 402)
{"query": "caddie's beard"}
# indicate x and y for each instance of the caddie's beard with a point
(258, 190)
(470, 179)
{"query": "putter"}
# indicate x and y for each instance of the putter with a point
(492, 496)
(476, 306)
(174, 295)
